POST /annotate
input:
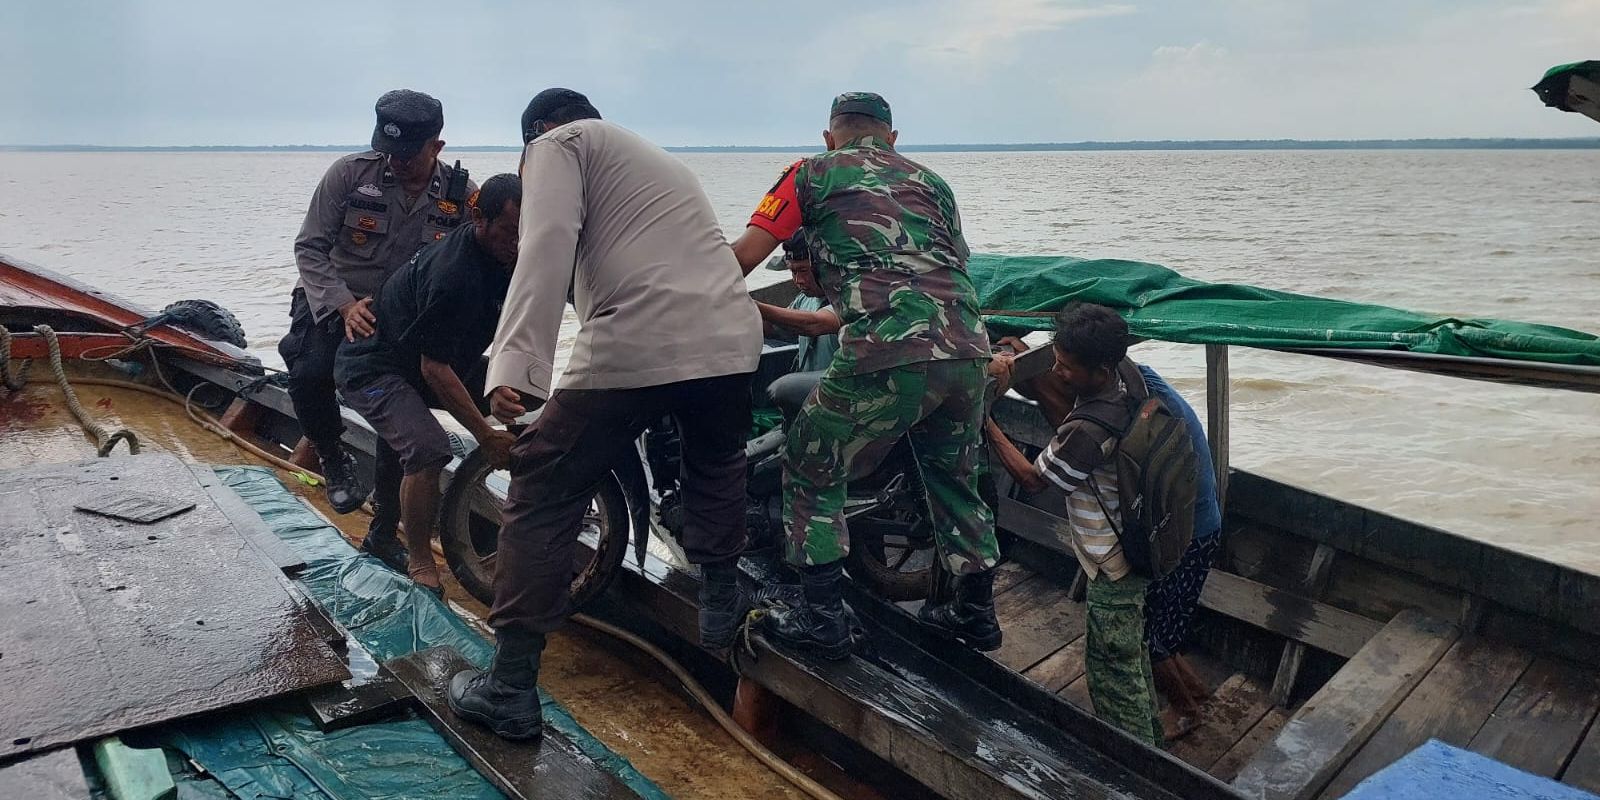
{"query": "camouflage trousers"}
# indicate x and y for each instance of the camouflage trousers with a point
(1116, 659)
(851, 422)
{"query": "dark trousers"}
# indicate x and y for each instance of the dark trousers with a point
(308, 350)
(386, 470)
(560, 459)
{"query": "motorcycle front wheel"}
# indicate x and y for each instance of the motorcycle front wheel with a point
(469, 529)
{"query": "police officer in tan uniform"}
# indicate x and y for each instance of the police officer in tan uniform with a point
(369, 215)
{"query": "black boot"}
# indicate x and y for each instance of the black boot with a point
(506, 698)
(383, 542)
(339, 471)
(723, 604)
(820, 623)
(969, 616)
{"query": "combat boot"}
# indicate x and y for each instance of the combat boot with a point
(969, 616)
(506, 698)
(723, 604)
(339, 472)
(820, 623)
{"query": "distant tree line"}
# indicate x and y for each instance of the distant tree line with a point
(1585, 143)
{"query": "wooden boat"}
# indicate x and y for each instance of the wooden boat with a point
(1336, 638)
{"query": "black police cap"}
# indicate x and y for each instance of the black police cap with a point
(547, 102)
(407, 120)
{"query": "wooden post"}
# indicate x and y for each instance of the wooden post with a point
(1217, 416)
(305, 456)
(1294, 652)
(755, 709)
(241, 416)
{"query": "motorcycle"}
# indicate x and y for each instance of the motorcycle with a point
(891, 546)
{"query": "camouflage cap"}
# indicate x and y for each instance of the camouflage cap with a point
(869, 103)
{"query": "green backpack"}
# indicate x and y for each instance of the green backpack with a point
(1156, 480)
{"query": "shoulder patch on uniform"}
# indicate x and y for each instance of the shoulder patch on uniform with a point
(358, 238)
(367, 223)
(369, 190)
(787, 171)
(771, 206)
(449, 207)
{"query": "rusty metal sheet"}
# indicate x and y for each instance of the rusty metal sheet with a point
(48, 776)
(550, 767)
(133, 506)
(111, 625)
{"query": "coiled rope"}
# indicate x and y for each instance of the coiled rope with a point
(105, 440)
(11, 382)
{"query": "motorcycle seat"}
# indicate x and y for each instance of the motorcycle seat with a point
(789, 392)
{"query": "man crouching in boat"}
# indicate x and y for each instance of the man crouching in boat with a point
(1130, 618)
(666, 328)
(439, 314)
(370, 213)
(886, 238)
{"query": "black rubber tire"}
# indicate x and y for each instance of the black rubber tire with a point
(207, 319)
(868, 570)
(466, 555)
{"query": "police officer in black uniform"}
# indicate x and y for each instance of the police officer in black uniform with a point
(369, 215)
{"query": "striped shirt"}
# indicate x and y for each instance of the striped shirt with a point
(1080, 449)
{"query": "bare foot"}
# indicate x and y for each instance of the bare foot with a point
(427, 576)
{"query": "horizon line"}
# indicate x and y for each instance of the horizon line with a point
(1461, 142)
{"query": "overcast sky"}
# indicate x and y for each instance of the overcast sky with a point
(172, 72)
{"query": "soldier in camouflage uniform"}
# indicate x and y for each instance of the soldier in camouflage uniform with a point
(885, 238)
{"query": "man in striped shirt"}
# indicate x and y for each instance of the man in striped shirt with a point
(1091, 345)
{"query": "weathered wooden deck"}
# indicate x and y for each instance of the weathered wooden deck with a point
(1411, 680)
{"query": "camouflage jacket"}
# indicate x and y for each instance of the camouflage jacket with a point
(886, 238)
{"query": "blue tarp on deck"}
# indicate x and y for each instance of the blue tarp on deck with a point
(1437, 770)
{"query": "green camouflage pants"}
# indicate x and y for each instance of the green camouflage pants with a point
(851, 422)
(1116, 659)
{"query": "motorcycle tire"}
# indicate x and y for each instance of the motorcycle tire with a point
(869, 570)
(469, 519)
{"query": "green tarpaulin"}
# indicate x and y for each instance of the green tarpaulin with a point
(1161, 304)
(1572, 87)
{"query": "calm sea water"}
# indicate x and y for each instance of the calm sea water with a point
(1469, 233)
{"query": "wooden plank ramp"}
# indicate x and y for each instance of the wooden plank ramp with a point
(1339, 718)
(551, 766)
(933, 722)
(1450, 705)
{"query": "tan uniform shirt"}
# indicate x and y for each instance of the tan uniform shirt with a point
(358, 230)
(659, 294)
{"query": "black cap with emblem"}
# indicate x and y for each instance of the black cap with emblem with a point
(407, 120)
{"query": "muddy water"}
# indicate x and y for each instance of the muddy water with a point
(626, 702)
(1465, 233)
